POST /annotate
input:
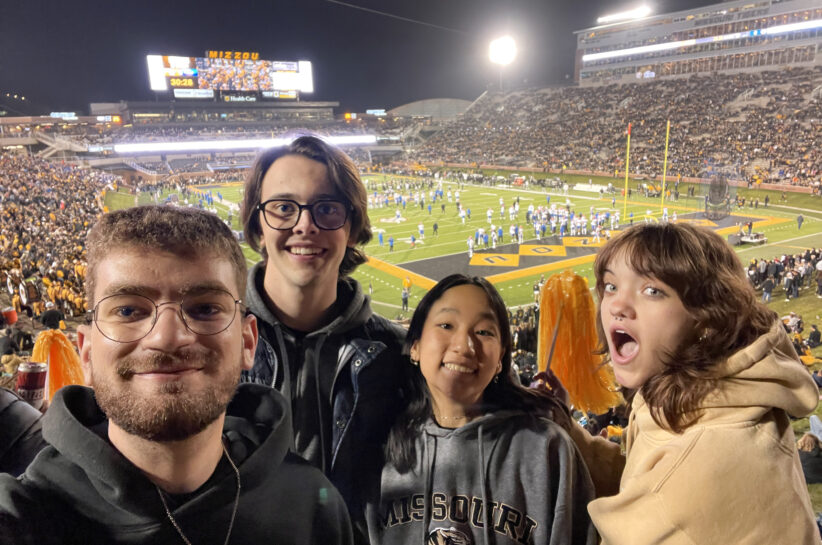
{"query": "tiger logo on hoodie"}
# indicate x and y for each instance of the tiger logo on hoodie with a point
(448, 536)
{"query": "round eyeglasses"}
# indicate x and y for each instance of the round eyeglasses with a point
(127, 317)
(282, 214)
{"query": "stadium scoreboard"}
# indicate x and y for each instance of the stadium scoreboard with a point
(231, 74)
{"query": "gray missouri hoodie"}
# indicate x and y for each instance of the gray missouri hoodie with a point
(525, 470)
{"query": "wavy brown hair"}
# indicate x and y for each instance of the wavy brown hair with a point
(710, 280)
(344, 177)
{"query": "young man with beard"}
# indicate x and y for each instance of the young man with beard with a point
(159, 449)
(320, 344)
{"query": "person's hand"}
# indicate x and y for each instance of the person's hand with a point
(556, 387)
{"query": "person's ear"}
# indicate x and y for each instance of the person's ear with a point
(415, 351)
(250, 335)
(84, 347)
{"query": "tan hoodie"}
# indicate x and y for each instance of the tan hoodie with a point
(734, 476)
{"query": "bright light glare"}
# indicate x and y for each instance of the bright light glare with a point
(779, 29)
(503, 51)
(638, 13)
(227, 145)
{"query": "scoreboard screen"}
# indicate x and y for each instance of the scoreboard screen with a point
(228, 74)
(168, 72)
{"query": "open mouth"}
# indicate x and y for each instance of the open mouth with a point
(624, 345)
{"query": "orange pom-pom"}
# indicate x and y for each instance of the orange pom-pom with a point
(53, 347)
(566, 300)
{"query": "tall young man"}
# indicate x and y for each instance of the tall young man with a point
(336, 362)
(160, 449)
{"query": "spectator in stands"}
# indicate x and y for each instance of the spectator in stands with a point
(165, 447)
(336, 362)
(7, 344)
(767, 288)
(20, 434)
(814, 337)
(22, 338)
(810, 455)
(52, 317)
(721, 361)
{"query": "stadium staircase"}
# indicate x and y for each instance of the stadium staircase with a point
(56, 144)
(140, 168)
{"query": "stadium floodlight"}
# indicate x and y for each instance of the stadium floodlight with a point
(502, 51)
(636, 13)
(235, 145)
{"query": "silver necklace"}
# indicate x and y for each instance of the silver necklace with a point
(233, 513)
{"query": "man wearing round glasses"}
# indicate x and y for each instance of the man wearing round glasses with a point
(320, 344)
(164, 445)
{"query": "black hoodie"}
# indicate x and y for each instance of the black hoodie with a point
(82, 490)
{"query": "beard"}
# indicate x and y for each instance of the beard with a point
(173, 412)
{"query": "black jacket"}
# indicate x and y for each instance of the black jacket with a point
(51, 318)
(20, 433)
(7, 345)
(362, 353)
(82, 490)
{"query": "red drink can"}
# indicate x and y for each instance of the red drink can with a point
(31, 383)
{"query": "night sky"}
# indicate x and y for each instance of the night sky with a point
(62, 55)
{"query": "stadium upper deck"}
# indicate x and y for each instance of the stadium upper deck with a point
(740, 35)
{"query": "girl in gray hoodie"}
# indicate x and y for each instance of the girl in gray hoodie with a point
(476, 457)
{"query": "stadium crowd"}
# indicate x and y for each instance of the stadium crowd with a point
(763, 125)
(45, 211)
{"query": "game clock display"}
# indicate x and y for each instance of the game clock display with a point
(184, 82)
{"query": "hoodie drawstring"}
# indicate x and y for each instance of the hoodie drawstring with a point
(430, 456)
(483, 485)
(319, 397)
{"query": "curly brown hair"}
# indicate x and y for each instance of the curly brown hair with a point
(343, 175)
(710, 280)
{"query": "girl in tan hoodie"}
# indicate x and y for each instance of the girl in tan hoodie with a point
(711, 456)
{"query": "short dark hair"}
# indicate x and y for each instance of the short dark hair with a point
(710, 280)
(343, 175)
(185, 232)
(504, 393)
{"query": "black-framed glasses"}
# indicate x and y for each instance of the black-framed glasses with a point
(282, 214)
(129, 317)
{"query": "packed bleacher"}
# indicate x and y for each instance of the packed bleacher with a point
(45, 211)
(765, 125)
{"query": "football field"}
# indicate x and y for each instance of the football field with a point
(512, 267)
